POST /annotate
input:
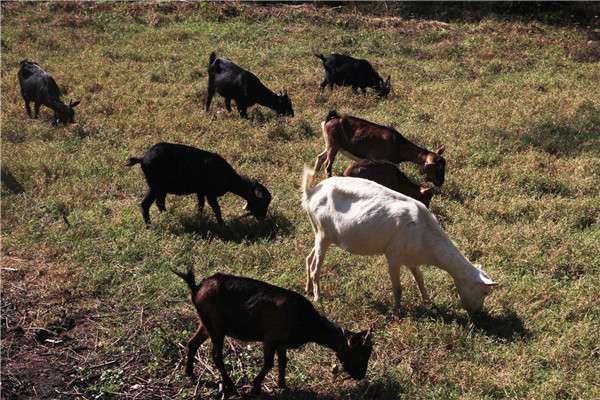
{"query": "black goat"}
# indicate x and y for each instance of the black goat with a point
(39, 87)
(233, 82)
(252, 310)
(348, 71)
(180, 169)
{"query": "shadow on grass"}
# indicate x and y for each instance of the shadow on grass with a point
(384, 389)
(567, 136)
(508, 326)
(10, 182)
(238, 229)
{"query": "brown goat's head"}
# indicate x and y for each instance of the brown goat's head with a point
(434, 167)
(425, 195)
(355, 357)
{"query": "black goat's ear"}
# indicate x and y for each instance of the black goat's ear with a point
(388, 80)
(285, 92)
(259, 193)
(74, 104)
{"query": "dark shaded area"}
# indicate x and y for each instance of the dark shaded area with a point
(549, 12)
(239, 229)
(508, 326)
(9, 182)
(565, 137)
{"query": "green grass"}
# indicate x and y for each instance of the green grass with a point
(515, 102)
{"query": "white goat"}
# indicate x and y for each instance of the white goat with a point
(363, 217)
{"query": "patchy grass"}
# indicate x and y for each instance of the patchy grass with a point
(90, 308)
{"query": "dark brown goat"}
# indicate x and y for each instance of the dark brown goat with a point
(359, 139)
(390, 176)
(251, 310)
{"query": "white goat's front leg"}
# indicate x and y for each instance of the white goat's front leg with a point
(319, 256)
(309, 261)
(416, 271)
(394, 266)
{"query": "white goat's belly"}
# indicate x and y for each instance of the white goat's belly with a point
(359, 239)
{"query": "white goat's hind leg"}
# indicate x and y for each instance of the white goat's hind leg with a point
(416, 271)
(394, 266)
(309, 261)
(320, 250)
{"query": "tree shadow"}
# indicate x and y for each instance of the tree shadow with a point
(548, 12)
(238, 229)
(567, 137)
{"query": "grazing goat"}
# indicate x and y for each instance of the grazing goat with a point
(390, 176)
(358, 139)
(251, 310)
(233, 82)
(365, 218)
(39, 87)
(180, 169)
(348, 71)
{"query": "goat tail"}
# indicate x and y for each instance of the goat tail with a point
(132, 161)
(189, 278)
(332, 115)
(307, 178)
(319, 55)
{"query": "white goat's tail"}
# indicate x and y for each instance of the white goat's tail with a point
(307, 178)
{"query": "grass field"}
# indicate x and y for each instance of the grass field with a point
(90, 308)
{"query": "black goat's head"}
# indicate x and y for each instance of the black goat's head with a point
(383, 87)
(284, 105)
(64, 113)
(258, 201)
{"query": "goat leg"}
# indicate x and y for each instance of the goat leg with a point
(281, 364)
(192, 347)
(215, 206)
(28, 108)
(217, 354)
(269, 354)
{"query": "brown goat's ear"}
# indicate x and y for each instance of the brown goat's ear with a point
(441, 150)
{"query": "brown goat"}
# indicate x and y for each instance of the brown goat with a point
(251, 310)
(358, 139)
(389, 175)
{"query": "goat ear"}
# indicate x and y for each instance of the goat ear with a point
(387, 82)
(279, 93)
(367, 337)
(285, 92)
(74, 104)
(425, 190)
(355, 340)
(441, 150)
(259, 193)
